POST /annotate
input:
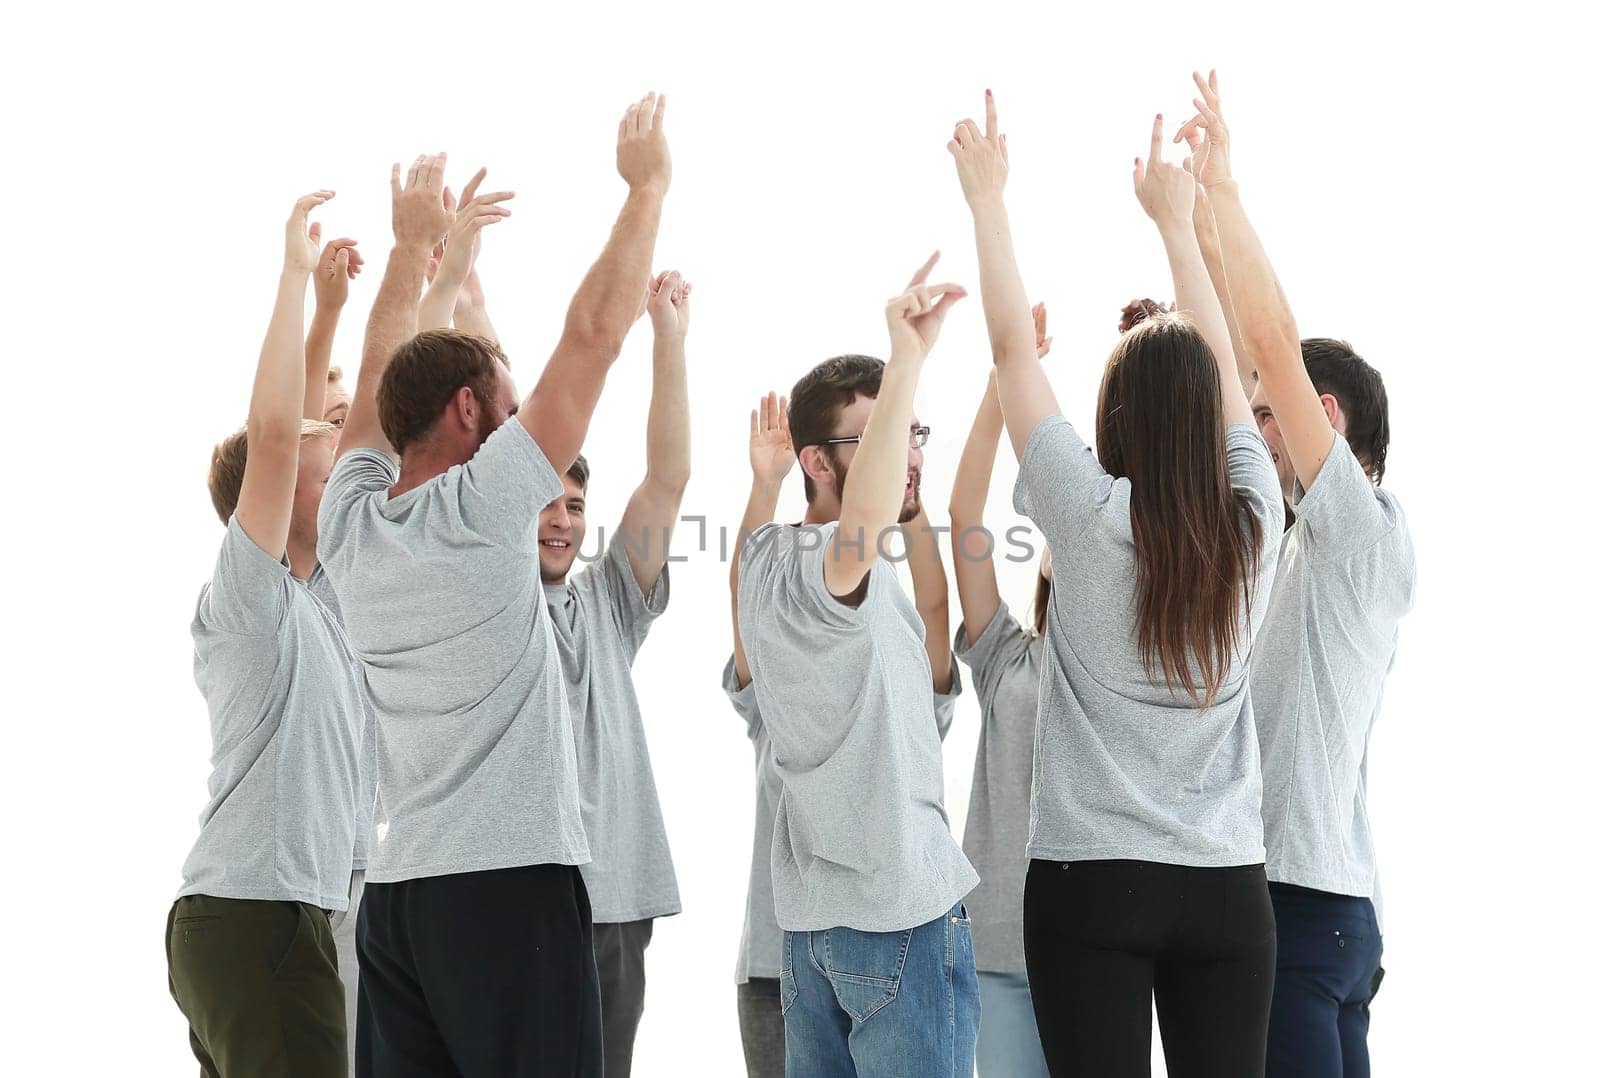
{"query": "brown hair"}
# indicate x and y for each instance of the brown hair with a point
(1336, 369)
(1041, 602)
(1140, 310)
(425, 373)
(580, 473)
(226, 476)
(1160, 425)
(826, 390)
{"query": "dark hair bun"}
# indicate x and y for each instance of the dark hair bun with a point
(1139, 310)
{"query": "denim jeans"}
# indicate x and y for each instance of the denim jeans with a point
(881, 1003)
(1008, 1042)
(1329, 952)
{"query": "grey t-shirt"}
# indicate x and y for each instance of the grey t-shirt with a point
(1346, 575)
(600, 619)
(441, 597)
(284, 692)
(861, 838)
(761, 940)
(367, 780)
(1005, 661)
(1123, 767)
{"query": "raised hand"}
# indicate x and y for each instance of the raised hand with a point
(1165, 190)
(1041, 336)
(981, 159)
(667, 299)
(461, 244)
(642, 156)
(1210, 155)
(419, 215)
(338, 266)
(771, 451)
(301, 243)
(916, 315)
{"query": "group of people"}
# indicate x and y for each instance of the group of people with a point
(421, 711)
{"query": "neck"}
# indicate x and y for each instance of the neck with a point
(302, 557)
(424, 462)
(824, 510)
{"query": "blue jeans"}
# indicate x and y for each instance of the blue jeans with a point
(1328, 970)
(1008, 1041)
(881, 1003)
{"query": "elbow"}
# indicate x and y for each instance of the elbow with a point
(262, 431)
(594, 335)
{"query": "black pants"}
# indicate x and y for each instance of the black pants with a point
(761, 1028)
(479, 974)
(1329, 952)
(619, 957)
(259, 983)
(1102, 936)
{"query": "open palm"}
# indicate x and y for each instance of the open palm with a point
(771, 451)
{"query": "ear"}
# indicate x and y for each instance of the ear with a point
(817, 465)
(464, 408)
(1330, 405)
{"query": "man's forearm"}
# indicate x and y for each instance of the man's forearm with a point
(876, 491)
(1266, 324)
(319, 354)
(667, 429)
(473, 317)
(607, 302)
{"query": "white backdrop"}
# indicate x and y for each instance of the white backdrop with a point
(1423, 182)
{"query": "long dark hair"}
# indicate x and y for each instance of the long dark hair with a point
(1041, 603)
(1160, 425)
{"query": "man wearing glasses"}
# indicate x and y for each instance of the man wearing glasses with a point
(876, 974)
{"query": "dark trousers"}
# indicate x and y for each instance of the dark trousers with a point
(761, 1028)
(619, 958)
(1102, 936)
(259, 984)
(478, 974)
(1329, 952)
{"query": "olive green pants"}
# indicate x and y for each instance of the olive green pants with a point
(259, 984)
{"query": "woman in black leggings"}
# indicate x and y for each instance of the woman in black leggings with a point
(1146, 876)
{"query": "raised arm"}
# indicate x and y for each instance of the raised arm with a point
(983, 163)
(338, 266)
(1166, 191)
(1205, 230)
(876, 493)
(472, 313)
(976, 586)
(272, 438)
(420, 221)
(653, 510)
(558, 411)
(1266, 324)
(930, 590)
(771, 457)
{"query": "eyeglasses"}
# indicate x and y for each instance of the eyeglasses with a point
(919, 438)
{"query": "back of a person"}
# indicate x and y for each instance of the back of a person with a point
(841, 699)
(1136, 767)
(474, 722)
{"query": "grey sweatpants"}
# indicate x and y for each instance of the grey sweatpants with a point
(619, 958)
(343, 924)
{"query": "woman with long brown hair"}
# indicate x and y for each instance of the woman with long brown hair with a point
(1145, 875)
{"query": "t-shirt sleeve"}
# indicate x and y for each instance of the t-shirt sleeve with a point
(1343, 513)
(1001, 645)
(944, 703)
(631, 610)
(1060, 485)
(1252, 476)
(356, 476)
(502, 489)
(743, 700)
(799, 555)
(247, 593)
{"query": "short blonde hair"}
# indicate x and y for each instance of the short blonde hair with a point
(228, 459)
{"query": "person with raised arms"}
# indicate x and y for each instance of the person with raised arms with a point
(759, 996)
(876, 975)
(250, 952)
(1005, 659)
(1145, 875)
(475, 938)
(1346, 576)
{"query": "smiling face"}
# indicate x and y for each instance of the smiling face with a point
(561, 528)
(336, 406)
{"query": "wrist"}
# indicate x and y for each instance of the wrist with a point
(655, 190)
(411, 247)
(989, 204)
(328, 309)
(1228, 188)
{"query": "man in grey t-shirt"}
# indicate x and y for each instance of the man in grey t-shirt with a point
(601, 615)
(877, 971)
(250, 952)
(475, 937)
